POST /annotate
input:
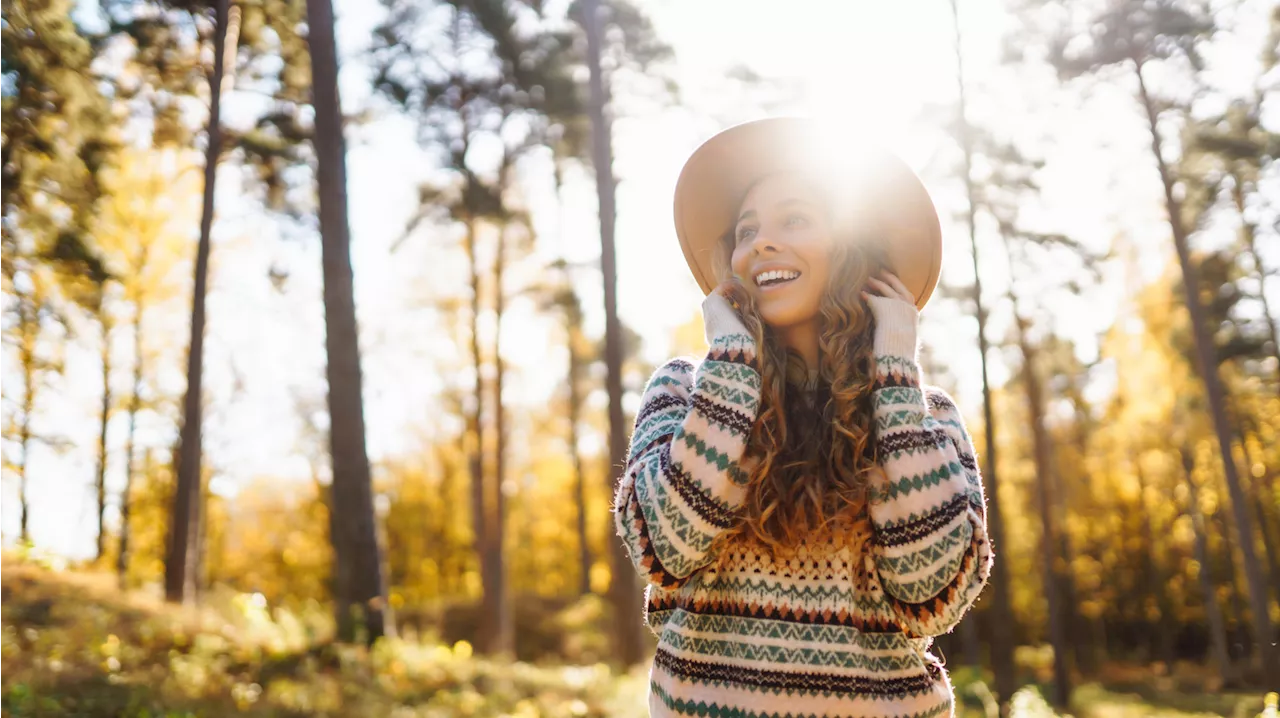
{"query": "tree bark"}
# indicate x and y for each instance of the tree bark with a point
(135, 404)
(1257, 494)
(1053, 583)
(1161, 646)
(624, 590)
(1001, 638)
(1206, 363)
(182, 561)
(100, 480)
(573, 333)
(475, 457)
(360, 595)
(1237, 635)
(504, 641)
(30, 331)
(1066, 552)
(1213, 610)
(579, 476)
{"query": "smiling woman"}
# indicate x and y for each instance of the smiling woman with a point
(807, 513)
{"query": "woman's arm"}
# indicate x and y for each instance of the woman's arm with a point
(930, 541)
(683, 484)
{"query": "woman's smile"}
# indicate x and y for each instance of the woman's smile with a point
(772, 279)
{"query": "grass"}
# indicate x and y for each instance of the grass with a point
(73, 645)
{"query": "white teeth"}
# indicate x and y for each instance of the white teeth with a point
(777, 274)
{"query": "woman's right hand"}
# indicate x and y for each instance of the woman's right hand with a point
(723, 310)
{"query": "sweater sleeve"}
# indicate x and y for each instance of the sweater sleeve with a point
(930, 545)
(683, 484)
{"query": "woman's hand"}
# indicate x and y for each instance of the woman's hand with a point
(734, 292)
(894, 308)
(722, 310)
(889, 286)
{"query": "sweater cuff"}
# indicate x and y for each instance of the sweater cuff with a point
(720, 319)
(896, 323)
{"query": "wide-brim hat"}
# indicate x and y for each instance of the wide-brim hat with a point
(879, 196)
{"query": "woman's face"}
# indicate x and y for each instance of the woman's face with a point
(782, 247)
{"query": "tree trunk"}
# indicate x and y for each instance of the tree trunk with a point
(1206, 363)
(1256, 494)
(1071, 619)
(1237, 635)
(504, 642)
(579, 476)
(100, 480)
(135, 404)
(1053, 583)
(360, 594)
(30, 331)
(577, 363)
(1212, 609)
(182, 561)
(1161, 646)
(475, 457)
(1001, 637)
(624, 590)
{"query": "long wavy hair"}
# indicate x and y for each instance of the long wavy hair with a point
(811, 455)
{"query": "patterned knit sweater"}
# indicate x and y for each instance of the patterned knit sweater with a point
(827, 631)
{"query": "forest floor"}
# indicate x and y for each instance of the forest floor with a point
(74, 645)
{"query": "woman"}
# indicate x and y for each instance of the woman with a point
(807, 514)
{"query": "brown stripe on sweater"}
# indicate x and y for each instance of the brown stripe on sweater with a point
(799, 681)
(659, 403)
(907, 440)
(707, 508)
(719, 413)
(741, 608)
(923, 526)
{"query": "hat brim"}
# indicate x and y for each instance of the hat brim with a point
(890, 203)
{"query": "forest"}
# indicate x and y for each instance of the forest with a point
(325, 326)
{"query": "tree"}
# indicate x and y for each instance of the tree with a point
(182, 564)
(1138, 34)
(507, 101)
(1213, 611)
(1010, 186)
(565, 300)
(56, 139)
(142, 232)
(624, 591)
(1001, 631)
(359, 585)
(1236, 147)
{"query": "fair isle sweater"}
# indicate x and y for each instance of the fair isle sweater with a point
(824, 632)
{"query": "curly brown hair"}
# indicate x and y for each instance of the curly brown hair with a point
(811, 455)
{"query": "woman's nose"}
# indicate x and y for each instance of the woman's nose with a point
(762, 243)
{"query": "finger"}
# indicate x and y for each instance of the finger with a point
(880, 287)
(897, 284)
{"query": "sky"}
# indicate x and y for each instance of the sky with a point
(882, 68)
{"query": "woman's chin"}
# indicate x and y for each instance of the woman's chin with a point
(783, 318)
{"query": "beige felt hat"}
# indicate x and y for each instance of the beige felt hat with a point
(886, 203)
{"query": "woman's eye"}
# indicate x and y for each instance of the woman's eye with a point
(746, 233)
(797, 220)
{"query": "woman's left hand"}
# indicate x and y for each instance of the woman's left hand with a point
(889, 286)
